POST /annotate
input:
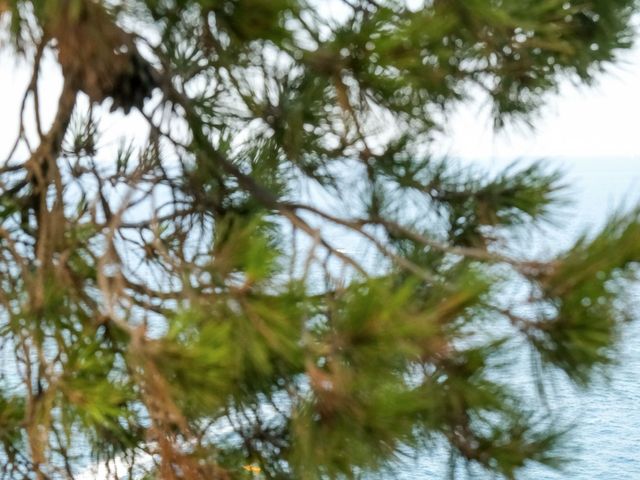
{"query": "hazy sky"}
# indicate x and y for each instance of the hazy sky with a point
(580, 122)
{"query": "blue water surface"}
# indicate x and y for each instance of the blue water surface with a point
(605, 441)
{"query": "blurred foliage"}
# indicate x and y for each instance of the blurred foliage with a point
(274, 276)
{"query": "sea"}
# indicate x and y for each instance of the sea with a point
(604, 441)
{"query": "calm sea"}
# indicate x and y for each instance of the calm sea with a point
(605, 443)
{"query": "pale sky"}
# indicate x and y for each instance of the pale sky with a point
(580, 122)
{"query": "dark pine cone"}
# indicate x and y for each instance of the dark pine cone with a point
(101, 57)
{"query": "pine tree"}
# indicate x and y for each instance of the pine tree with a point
(183, 307)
